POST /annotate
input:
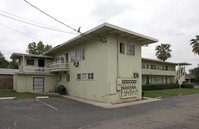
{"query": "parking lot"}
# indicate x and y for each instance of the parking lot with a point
(62, 113)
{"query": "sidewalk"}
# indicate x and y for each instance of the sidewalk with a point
(110, 106)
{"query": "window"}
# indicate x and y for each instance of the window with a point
(122, 48)
(130, 49)
(67, 77)
(77, 55)
(166, 68)
(30, 62)
(78, 76)
(90, 76)
(66, 56)
(147, 66)
(84, 76)
(60, 59)
(143, 66)
(143, 80)
(154, 79)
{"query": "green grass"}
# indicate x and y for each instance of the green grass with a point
(12, 93)
(169, 92)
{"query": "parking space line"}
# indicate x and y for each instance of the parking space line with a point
(46, 104)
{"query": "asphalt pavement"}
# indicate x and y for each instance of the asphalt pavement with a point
(179, 112)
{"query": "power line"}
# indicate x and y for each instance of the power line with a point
(78, 31)
(18, 31)
(35, 24)
(26, 19)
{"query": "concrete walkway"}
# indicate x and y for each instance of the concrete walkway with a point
(110, 106)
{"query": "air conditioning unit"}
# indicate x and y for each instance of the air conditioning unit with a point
(136, 75)
(76, 64)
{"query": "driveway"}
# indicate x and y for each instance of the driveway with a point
(62, 113)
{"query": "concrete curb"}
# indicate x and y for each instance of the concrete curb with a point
(110, 106)
(38, 97)
(7, 98)
(42, 97)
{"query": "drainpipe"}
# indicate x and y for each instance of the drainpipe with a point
(23, 63)
(117, 58)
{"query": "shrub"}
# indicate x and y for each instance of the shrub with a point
(187, 85)
(159, 86)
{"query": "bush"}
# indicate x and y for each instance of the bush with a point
(187, 85)
(159, 86)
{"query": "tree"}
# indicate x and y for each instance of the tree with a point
(195, 71)
(195, 45)
(3, 62)
(13, 64)
(38, 48)
(163, 51)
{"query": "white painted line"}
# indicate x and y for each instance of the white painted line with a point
(47, 104)
(7, 98)
(42, 97)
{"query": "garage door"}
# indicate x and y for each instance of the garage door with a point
(38, 84)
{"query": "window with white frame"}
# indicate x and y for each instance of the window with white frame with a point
(67, 77)
(77, 55)
(30, 61)
(130, 49)
(60, 59)
(90, 76)
(78, 76)
(143, 66)
(84, 76)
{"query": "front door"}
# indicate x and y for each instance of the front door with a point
(38, 84)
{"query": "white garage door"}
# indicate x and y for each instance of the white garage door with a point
(38, 84)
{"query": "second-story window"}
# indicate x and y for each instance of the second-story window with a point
(143, 66)
(77, 55)
(122, 48)
(30, 62)
(131, 49)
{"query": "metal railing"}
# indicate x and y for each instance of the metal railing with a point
(57, 65)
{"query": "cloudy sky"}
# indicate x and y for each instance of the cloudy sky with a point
(170, 21)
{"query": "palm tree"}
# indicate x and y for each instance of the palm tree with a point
(195, 45)
(163, 51)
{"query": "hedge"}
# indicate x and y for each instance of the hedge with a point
(187, 85)
(159, 86)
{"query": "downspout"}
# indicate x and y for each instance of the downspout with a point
(117, 58)
(23, 63)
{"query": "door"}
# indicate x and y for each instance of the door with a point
(147, 80)
(38, 84)
(41, 62)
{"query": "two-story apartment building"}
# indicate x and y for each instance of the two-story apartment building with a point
(160, 72)
(102, 64)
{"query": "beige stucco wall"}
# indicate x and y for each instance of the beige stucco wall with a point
(126, 66)
(95, 62)
(101, 59)
(24, 83)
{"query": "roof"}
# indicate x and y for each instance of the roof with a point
(17, 55)
(8, 71)
(190, 76)
(104, 30)
(165, 62)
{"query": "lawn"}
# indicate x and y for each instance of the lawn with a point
(12, 93)
(169, 92)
